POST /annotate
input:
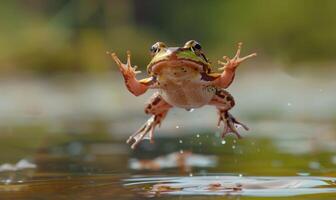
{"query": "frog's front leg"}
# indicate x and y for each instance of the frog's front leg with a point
(159, 109)
(135, 86)
(229, 68)
(224, 102)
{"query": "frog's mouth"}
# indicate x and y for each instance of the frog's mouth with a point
(157, 67)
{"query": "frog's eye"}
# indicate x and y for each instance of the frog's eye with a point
(193, 45)
(197, 46)
(155, 48)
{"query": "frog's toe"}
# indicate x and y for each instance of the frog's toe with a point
(230, 124)
(238, 123)
(139, 135)
(116, 60)
(240, 60)
(236, 60)
(126, 69)
(229, 127)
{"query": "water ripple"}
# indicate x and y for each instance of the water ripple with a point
(232, 185)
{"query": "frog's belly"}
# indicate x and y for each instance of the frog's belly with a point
(187, 95)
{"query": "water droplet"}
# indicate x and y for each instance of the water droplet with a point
(191, 110)
(233, 146)
(190, 174)
(223, 141)
(240, 175)
(177, 126)
(234, 141)
(198, 135)
(180, 141)
(181, 151)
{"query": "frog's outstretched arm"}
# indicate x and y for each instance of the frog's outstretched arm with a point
(225, 79)
(136, 87)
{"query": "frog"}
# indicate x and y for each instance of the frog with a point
(183, 78)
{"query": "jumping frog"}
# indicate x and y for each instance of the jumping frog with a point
(184, 79)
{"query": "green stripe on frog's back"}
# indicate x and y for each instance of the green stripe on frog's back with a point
(187, 54)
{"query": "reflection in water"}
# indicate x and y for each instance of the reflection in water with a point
(17, 173)
(184, 160)
(21, 165)
(233, 185)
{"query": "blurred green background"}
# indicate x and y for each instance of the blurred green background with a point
(46, 38)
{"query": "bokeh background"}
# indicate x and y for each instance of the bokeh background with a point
(63, 101)
(53, 61)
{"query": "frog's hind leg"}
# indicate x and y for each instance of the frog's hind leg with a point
(159, 109)
(224, 101)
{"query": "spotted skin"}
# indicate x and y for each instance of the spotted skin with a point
(158, 108)
(224, 101)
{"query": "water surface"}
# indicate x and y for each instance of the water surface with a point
(268, 163)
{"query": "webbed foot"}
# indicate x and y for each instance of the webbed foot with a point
(146, 128)
(230, 124)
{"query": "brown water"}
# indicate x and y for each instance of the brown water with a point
(286, 163)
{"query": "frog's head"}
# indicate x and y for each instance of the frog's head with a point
(190, 55)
